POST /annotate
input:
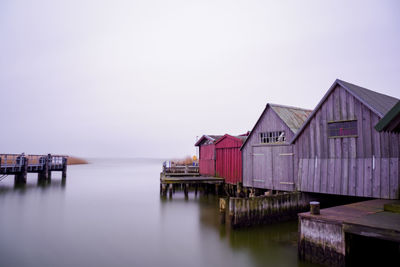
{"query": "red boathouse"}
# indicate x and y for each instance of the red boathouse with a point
(229, 158)
(207, 154)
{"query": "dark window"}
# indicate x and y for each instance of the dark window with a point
(342, 128)
(272, 137)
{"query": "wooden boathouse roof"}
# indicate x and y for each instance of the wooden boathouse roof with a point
(391, 121)
(378, 103)
(293, 117)
(211, 138)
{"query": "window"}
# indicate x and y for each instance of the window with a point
(342, 128)
(272, 137)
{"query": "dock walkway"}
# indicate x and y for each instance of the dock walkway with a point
(20, 165)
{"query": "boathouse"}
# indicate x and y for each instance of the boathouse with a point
(207, 154)
(229, 158)
(340, 152)
(268, 159)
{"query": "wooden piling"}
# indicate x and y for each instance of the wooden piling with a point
(170, 190)
(21, 177)
(64, 169)
(186, 190)
(222, 210)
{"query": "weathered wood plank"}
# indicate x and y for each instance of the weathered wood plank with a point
(367, 132)
(352, 176)
(385, 153)
(300, 175)
(345, 176)
(338, 176)
(312, 139)
(305, 174)
(324, 175)
(360, 177)
(351, 115)
(376, 186)
(331, 175)
(394, 145)
(376, 140)
(317, 175)
(318, 135)
(360, 140)
(394, 178)
(368, 177)
(385, 180)
(311, 173)
(324, 132)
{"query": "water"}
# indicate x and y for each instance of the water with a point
(109, 213)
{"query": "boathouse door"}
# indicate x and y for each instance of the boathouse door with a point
(273, 167)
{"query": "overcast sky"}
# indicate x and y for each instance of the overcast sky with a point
(144, 78)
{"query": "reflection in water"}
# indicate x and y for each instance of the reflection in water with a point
(110, 214)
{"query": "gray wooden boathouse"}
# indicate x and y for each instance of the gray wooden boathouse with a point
(267, 154)
(340, 152)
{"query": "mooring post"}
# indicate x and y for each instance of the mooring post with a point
(164, 190)
(186, 190)
(195, 189)
(64, 169)
(43, 174)
(222, 209)
(170, 190)
(49, 163)
(22, 161)
(314, 208)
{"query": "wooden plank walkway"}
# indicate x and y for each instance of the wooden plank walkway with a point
(20, 165)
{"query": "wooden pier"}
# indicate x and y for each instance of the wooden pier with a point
(187, 177)
(20, 165)
(360, 234)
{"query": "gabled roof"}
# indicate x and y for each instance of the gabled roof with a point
(378, 103)
(391, 121)
(241, 138)
(211, 138)
(293, 117)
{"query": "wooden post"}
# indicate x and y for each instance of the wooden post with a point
(164, 190)
(22, 161)
(222, 210)
(186, 190)
(44, 174)
(314, 208)
(195, 189)
(170, 190)
(49, 163)
(64, 169)
(217, 189)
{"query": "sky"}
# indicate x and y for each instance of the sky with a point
(147, 78)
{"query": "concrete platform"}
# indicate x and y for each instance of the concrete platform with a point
(322, 238)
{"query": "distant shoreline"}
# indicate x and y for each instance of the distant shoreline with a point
(76, 161)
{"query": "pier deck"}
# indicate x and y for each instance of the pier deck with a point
(20, 165)
(339, 231)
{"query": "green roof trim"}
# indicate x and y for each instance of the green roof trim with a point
(388, 118)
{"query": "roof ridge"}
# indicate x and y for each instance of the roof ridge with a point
(285, 106)
(372, 91)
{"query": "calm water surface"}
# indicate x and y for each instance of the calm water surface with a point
(109, 213)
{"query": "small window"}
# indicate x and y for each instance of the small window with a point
(272, 137)
(342, 128)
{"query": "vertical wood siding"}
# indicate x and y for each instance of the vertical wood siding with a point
(229, 159)
(207, 160)
(366, 165)
(269, 166)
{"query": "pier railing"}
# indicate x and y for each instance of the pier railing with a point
(21, 164)
(183, 169)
